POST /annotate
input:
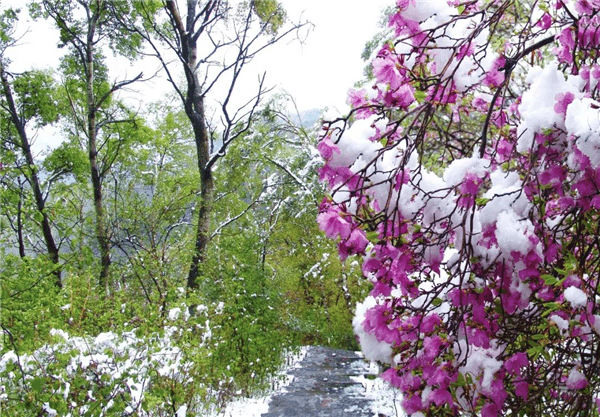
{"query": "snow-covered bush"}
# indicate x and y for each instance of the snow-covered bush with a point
(114, 373)
(467, 177)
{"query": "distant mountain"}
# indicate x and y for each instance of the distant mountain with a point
(307, 118)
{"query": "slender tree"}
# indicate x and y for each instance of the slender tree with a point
(213, 44)
(85, 28)
(32, 102)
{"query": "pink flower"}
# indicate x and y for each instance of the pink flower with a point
(522, 389)
(432, 346)
(358, 100)
(516, 362)
(442, 94)
(356, 243)
(430, 322)
(403, 177)
(401, 97)
(563, 101)
(497, 392)
(490, 410)
(437, 375)
(494, 77)
(334, 176)
(584, 7)
(333, 224)
(440, 397)
(478, 338)
(385, 71)
(554, 175)
(326, 147)
(566, 41)
(471, 184)
(480, 104)
(410, 382)
(466, 49)
(576, 380)
(391, 376)
(412, 404)
(545, 21)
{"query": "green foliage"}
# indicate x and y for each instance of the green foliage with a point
(37, 95)
(271, 13)
(267, 285)
(30, 302)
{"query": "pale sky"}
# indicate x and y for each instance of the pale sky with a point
(317, 73)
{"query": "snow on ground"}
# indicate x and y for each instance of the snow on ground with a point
(256, 406)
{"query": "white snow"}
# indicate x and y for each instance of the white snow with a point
(561, 323)
(537, 106)
(576, 297)
(513, 233)
(583, 121)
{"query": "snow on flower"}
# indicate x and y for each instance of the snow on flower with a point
(537, 107)
(583, 121)
(373, 349)
(576, 380)
(576, 297)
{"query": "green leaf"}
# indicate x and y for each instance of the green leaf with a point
(38, 216)
(373, 236)
(437, 301)
(481, 201)
(37, 384)
(420, 96)
(549, 279)
(535, 351)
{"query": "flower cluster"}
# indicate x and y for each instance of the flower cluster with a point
(467, 178)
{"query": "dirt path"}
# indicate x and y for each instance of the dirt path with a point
(323, 385)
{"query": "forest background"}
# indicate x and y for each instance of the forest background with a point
(109, 305)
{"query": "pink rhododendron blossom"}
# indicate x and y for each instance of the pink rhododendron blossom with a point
(332, 223)
(584, 6)
(412, 404)
(522, 389)
(401, 97)
(490, 410)
(356, 243)
(495, 77)
(440, 397)
(327, 148)
(563, 101)
(516, 362)
(576, 380)
(385, 70)
(545, 21)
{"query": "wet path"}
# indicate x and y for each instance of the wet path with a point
(323, 387)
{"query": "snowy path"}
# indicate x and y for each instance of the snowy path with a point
(325, 383)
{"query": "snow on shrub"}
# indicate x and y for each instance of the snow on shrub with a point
(106, 375)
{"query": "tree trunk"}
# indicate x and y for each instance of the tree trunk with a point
(101, 229)
(33, 180)
(194, 109)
